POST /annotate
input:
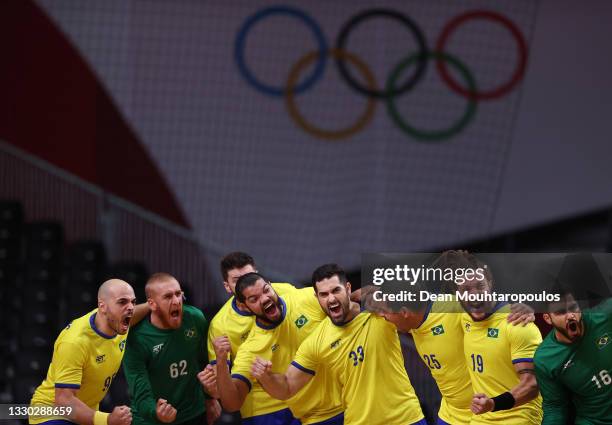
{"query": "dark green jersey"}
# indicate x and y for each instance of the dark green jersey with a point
(578, 373)
(162, 363)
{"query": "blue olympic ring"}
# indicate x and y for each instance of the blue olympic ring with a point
(239, 48)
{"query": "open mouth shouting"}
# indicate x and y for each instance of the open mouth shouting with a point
(335, 310)
(573, 328)
(271, 310)
(176, 316)
(124, 324)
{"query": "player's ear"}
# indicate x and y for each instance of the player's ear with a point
(547, 318)
(152, 304)
(348, 286)
(227, 287)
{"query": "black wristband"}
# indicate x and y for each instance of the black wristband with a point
(504, 401)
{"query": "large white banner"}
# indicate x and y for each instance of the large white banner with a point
(311, 132)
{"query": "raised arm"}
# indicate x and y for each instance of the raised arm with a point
(527, 388)
(232, 390)
(280, 386)
(521, 314)
(140, 312)
(70, 359)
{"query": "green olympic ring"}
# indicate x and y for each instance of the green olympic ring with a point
(425, 135)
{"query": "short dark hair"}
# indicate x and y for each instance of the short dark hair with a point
(245, 281)
(235, 260)
(327, 271)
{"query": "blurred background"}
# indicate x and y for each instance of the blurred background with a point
(153, 135)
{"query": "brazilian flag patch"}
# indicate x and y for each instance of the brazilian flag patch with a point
(603, 340)
(301, 321)
(493, 333)
(437, 330)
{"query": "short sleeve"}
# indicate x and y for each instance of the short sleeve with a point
(306, 358)
(69, 361)
(213, 333)
(241, 366)
(524, 340)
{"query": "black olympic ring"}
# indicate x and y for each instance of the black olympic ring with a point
(389, 14)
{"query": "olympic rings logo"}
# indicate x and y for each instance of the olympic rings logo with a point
(418, 60)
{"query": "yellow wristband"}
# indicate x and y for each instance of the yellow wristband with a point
(100, 418)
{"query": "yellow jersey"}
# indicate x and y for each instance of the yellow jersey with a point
(365, 357)
(235, 323)
(301, 314)
(439, 341)
(84, 359)
(492, 346)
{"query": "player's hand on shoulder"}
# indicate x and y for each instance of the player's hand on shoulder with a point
(481, 404)
(213, 411)
(260, 368)
(521, 314)
(222, 347)
(121, 415)
(165, 412)
(208, 379)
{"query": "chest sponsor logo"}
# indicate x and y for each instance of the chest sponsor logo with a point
(157, 348)
(567, 365)
(437, 330)
(603, 340)
(335, 344)
(493, 332)
(100, 358)
(301, 321)
(191, 333)
(275, 347)
(122, 345)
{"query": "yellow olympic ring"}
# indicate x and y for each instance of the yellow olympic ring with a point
(295, 114)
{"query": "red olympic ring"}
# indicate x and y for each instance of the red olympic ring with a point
(500, 90)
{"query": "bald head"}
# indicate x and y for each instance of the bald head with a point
(113, 288)
(116, 301)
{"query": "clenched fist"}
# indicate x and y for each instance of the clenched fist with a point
(121, 415)
(208, 379)
(222, 348)
(261, 368)
(481, 404)
(165, 412)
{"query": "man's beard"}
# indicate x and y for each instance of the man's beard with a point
(266, 319)
(573, 330)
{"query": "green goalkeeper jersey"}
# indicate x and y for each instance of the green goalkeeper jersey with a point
(164, 363)
(579, 373)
